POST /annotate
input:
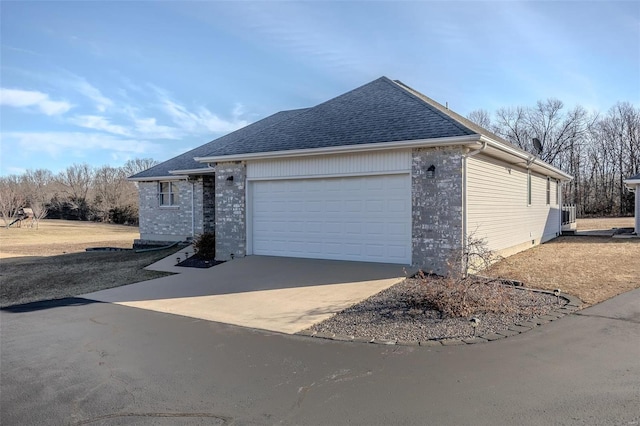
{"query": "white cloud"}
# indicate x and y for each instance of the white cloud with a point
(202, 121)
(83, 87)
(97, 122)
(28, 98)
(148, 128)
(76, 144)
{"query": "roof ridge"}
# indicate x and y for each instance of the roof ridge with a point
(459, 119)
(432, 104)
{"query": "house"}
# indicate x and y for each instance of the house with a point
(379, 174)
(633, 183)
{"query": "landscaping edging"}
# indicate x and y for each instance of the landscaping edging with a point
(573, 304)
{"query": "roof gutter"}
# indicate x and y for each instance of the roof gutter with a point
(201, 171)
(526, 157)
(154, 178)
(345, 149)
(631, 184)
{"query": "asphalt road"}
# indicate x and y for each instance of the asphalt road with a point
(104, 364)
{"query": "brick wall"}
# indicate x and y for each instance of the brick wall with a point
(178, 222)
(437, 207)
(230, 210)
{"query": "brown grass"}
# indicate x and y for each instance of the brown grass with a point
(55, 237)
(604, 223)
(592, 268)
(33, 265)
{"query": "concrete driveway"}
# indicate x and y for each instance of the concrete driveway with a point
(279, 294)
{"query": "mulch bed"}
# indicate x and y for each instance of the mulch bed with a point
(196, 261)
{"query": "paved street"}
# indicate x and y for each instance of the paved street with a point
(106, 364)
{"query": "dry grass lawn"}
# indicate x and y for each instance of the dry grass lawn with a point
(63, 236)
(604, 223)
(592, 268)
(51, 262)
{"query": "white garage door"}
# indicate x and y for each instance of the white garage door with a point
(355, 218)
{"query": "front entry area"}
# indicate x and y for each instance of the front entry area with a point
(363, 218)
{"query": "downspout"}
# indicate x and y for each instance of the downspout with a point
(465, 193)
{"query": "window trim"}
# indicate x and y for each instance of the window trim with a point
(172, 194)
(548, 191)
(529, 187)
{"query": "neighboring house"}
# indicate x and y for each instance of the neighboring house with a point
(633, 183)
(379, 174)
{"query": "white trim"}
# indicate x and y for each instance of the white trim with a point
(629, 183)
(248, 216)
(157, 178)
(470, 141)
(342, 149)
(531, 161)
(202, 171)
(326, 176)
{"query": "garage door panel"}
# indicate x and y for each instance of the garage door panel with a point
(357, 218)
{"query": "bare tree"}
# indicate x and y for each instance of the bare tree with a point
(37, 187)
(110, 187)
(137, 165)
(482, 118)
(512, 125)
(12, 198)
(76, 181)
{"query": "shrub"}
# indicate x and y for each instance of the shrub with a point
(123, 215)
(458, 294)
(204, 245)
(457, 298)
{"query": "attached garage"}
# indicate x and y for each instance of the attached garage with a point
(361, 218)
(381, 173)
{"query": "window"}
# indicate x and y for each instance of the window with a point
(548, 190)
(557, 193)
(167, 193)
(528, 187)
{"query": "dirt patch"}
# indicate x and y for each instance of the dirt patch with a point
(592, 268)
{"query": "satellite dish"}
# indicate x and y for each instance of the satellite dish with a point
(537, 145)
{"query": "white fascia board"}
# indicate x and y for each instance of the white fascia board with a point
(202, 171)
(530, 159)
(157, 178)
(632, 184)
(345, 149)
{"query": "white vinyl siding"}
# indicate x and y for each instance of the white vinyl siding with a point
(345, 218)
(498, 208)
(371, 163)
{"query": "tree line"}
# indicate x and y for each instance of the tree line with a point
(80, 192)
(599, 150)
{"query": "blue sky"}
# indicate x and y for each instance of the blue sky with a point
(103, 82)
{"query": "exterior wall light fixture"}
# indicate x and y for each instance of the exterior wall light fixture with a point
(431, 172)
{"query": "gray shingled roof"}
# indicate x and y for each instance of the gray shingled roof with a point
(380, 111)
(186, 161)
(636, 177)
